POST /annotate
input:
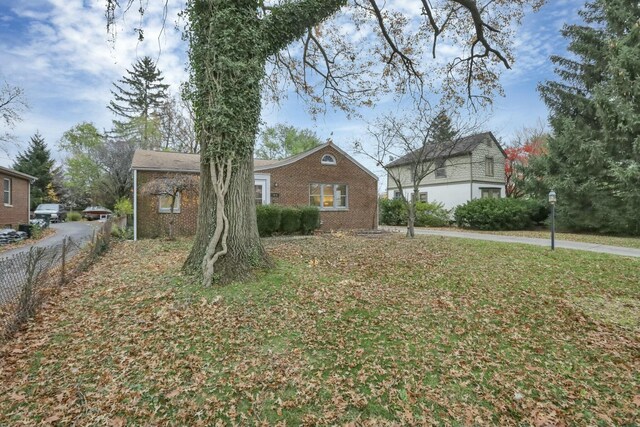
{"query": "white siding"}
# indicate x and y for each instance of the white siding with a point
(450, 195)
(466, 176)
(478, 186)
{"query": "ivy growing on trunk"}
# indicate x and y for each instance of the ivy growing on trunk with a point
(240, 47)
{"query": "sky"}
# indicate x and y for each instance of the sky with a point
(60, 53)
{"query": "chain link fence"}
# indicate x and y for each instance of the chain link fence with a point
(27, 277)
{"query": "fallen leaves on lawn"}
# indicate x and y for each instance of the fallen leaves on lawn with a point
(345, 330)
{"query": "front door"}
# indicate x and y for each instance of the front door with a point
(261, 186)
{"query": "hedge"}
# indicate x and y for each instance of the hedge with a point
(500, 214)
(73, 216)
(268, 217)
(290, 220)
(309, 219)
(276, 219)
(394, 212)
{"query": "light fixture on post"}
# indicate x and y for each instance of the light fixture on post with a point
(552, 202)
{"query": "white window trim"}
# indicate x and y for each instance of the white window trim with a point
(9, 192)
(334, 208)
(264, 179)
(331, 162)
(176, 209)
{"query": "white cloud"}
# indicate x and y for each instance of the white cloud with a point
(60, 52)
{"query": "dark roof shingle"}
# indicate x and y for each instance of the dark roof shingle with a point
(458, 147)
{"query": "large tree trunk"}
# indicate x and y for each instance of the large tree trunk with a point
(244, 251)
(229, 44)
(229, 67)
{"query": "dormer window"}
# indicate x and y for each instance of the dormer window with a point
(328, 159)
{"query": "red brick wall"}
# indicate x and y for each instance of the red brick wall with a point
(152, 223)
(18, 212)
(291, 183)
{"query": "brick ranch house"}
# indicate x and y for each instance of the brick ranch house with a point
(325, 176)
(16, 197)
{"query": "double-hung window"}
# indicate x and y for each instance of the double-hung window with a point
(6, 193)
(488, 166)
(328, 196)
(441, 169)
(164, 204)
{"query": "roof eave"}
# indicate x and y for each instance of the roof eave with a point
(158, 169)
(18, 174)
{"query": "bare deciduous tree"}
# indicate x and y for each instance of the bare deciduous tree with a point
(176, 126)
(172, 186)
(114, 157)
(12, 106)
(411, 148)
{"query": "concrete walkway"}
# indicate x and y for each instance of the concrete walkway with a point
(564, 244)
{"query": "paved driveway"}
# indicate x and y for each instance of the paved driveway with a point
(564, 244)
(77, 231)
(13, 262)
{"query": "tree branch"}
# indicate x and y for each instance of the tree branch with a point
(289, 22)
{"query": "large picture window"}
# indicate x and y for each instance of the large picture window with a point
(328, 196)
(6, 193)
(164, 204)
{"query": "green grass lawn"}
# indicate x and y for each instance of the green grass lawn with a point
(364, 330)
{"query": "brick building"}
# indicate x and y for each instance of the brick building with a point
(325, 176)
(16, 189)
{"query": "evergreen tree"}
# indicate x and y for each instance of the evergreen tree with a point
(442, 130)
(37, 162)
(138, 98)
(593, 159)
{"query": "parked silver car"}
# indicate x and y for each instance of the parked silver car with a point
(55, 211)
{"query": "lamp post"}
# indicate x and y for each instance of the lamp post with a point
(552, 201)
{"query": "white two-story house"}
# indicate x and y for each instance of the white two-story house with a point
(469, 168)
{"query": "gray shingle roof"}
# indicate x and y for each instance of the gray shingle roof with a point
(460, 146)
(174, 162)
(181, 162)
